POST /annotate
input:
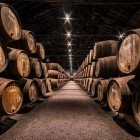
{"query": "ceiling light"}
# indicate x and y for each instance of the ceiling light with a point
(68, 34)
(67, 17)
(121, 35)
(69, 43)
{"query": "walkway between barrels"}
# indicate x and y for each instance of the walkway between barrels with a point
(67, 114)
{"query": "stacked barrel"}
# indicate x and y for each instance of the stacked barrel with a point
(110, 73)
(56, 75)
(23, 70)
(11, 97)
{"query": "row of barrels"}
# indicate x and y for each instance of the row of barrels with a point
(57, 67)
(22, 65)
(23, 76)
(120, 94)
(14, 94)
(110, 73)
(21, 59)
(13, 36)
(58, 77)
(126, 50)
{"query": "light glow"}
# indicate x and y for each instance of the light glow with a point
(69, 44)
(68, 34)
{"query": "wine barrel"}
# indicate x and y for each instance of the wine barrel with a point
(3, 57)
(10, 26)
(92, 70)
(84, 85)
(106, 67)
(48, 85)
(19, 64)
(120, 95)
(30, 90)
(94, 87)
(11, 97)
(129, 51)
(87, 60)
(27, 42)
(41, 84)
(44, 70)
(136, 103)
(102, 89)
(36, 68)
(52, 74)
(54, 83)
(90, 57)
(105, 48)
(53, 66)
(89, 85)
(40, 51)
(83, 75)
(88, 71)
(60, 82)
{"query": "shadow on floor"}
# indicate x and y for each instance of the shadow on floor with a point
(6, 125)
(126, 126)
(40, 100)
(120, 121)
(26, 109)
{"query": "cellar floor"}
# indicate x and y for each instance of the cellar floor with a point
(67, 114)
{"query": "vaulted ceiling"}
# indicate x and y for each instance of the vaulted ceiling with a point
(93, 20)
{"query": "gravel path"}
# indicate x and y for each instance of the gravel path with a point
(67, 114)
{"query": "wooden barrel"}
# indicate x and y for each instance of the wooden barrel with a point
(129, 51)
(53, 66)
(88, 71)
(11, 97)
(105, 48)
(92, 70)
(27, 42)
(102, 89)
(54, 83)
(60, 75)
(84, 84)
(94, 87)
(60, 82)
(30, 90)
(41, 83)
(90, 57)
(19, 64)
(40, 51)
(120, 94)
(10, 26)
(44, 70)
(136, 103)
(36, 68)
(3, 57)
(106, 67)
(89, 85)
(83, 75)
(52, 74)
(87, 60)
(48, 85)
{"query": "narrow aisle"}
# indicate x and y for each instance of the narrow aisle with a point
(68, 114)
